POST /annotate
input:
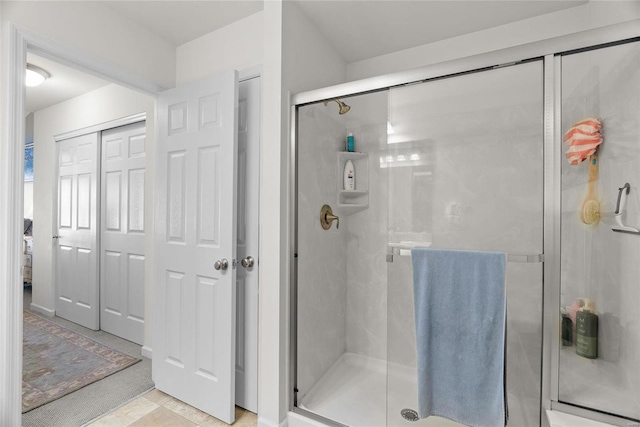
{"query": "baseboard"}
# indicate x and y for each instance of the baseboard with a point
(147, 351)
(263, 422)
(42, 310)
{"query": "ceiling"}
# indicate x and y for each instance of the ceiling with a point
(358, 29)
(64, 83)
(181, 21)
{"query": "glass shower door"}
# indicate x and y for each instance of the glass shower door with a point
(599, 355)
(340, 299)
(465, 169)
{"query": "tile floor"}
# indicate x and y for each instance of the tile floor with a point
(157, 409)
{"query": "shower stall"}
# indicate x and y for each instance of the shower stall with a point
(470, 157)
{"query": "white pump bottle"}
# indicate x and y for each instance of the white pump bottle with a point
(349, 176)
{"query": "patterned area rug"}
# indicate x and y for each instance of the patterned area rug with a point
(58, 361)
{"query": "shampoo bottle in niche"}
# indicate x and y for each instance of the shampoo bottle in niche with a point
(349, 176)
(351, 143)
(587, 331)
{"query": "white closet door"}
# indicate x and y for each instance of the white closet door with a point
(122, 254)
(248, 219)
(76, 268)
(195, 212)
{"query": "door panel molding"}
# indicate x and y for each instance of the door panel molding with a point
(122, 294)
(77, 230)
(195, 208)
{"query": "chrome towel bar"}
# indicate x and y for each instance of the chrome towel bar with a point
(402, 249)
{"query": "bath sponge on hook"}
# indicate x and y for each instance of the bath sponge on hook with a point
(584, 138)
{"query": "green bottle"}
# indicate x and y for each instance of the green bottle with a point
(587, 333)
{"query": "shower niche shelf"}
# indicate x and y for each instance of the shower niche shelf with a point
(352, 201)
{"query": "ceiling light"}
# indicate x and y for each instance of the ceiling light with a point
(35, 75)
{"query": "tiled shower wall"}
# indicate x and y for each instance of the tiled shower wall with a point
(367, 233)
(322, 263)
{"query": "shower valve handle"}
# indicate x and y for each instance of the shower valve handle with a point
(327, 217)
(330, 218)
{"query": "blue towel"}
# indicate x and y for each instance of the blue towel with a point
(460, 311)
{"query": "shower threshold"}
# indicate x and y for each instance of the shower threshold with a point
(354, 392)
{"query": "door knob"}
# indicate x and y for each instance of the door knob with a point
(56, 237)
(247, 262)
(221, 264)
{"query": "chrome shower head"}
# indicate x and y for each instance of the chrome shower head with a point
(344, 108)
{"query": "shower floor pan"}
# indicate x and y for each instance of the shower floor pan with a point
(354, 392)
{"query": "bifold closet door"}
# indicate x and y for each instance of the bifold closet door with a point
(122, 232)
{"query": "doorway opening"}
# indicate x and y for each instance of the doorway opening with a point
(73, 101)
(50, 49)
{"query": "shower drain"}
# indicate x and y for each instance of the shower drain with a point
(409, 415)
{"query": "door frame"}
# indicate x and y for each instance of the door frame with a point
(16, 42)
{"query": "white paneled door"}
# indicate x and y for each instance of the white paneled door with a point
(122, 256)
(195, 245)
(75, 243)
(247, 273)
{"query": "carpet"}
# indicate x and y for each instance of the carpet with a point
(58, 361)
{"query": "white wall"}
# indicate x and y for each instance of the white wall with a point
(272, 304)
(105, 104)
(588, 16)
(95, 29)
(296, 58)
(237, 46)
(309, 61)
